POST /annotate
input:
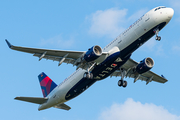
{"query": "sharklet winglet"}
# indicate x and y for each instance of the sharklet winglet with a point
(8, 43)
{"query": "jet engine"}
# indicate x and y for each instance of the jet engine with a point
(145, 65)
(93, 53)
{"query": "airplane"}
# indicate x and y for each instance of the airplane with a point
(96, 63)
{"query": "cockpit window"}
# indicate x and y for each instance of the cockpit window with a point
(159, 8)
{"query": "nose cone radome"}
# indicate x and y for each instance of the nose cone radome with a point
(170, 13)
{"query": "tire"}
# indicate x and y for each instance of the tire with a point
(91, 76)
(156, 37)
(124, 84)
(85, 75)
(159, 38)
(120, 83)
(88, 75)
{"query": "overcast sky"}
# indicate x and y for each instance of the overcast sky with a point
(78, 25)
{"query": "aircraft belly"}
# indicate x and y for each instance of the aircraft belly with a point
(112, 63)
(101, 71)
(107, 67)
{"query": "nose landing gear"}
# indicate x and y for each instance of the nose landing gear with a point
(88, 75)
(156, 31)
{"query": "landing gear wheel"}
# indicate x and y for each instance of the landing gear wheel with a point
(158, 38)
(120, 83)
(125, 84)
(88, 75)
(156, 31)
(91, 76)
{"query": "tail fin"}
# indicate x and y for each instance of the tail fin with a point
(47, 85)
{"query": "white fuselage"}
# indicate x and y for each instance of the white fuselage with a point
(123, 42)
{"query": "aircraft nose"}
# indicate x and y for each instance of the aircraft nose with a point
(170, 13)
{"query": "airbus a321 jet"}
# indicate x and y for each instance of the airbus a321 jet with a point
(97, 64)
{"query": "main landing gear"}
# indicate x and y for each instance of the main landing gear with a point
(158, 38)
(122, 82)
(88, 75)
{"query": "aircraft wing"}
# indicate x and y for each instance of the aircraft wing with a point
(69, 57)
(147, 76)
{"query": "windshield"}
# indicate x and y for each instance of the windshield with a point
(159, 8)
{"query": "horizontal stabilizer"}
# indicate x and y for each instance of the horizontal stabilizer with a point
(63, 106)
(35, 100)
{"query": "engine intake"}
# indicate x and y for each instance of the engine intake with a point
(93, 53)
(145, 65)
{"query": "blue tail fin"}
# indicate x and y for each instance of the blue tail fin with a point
(47, 85)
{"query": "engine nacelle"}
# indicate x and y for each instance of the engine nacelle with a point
(93, 53)
(145, 65)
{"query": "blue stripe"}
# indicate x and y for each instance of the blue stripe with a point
(42, 76)
(53, 85)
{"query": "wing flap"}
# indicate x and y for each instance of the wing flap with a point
(35, 100)
(56, 58)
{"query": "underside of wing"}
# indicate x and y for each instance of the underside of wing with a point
(147, 76)
(62, 56)
(55, 55)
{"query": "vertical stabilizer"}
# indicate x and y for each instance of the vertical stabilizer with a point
(47, 85)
